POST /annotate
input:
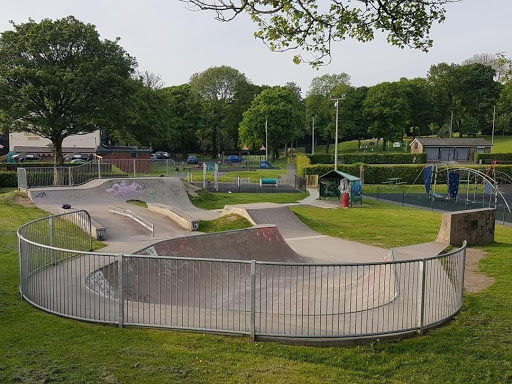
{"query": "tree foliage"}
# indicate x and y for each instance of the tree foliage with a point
(284, 114)
(312, 25)
(57, 78)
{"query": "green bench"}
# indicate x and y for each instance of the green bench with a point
(268, 181)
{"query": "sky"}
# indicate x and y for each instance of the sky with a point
(168, 39)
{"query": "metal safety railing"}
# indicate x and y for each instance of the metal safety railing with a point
(33, 177)
(260, 299)
(138, 219)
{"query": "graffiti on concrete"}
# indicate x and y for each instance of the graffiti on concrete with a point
(271, 234)
(41, 195)
(123, 189)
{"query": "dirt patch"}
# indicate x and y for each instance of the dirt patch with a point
(22, 200)
(474, 280)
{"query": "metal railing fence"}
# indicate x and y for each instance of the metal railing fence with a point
(34, 177)
(260, 299)
(128, 213)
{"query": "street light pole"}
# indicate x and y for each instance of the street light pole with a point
(313, 137)
(336, 134)
(266, 140)
(493, 122)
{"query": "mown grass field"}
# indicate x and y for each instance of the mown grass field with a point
(37, 347)
(208, 200)
(502, 144)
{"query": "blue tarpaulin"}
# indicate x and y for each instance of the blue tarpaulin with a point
(453, 184)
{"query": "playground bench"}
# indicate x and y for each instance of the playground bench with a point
(271, 181)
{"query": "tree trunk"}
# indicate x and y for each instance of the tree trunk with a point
(327, 145)
(285, 149)
(384, 144)
(358, 144)
(58, 159)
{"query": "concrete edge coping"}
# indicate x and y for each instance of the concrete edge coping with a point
(177, 215)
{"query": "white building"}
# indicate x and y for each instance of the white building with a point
(30, 143)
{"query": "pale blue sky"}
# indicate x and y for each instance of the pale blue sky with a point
(174, 42)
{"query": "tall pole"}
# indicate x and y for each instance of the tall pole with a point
(451, 125)
(336, 134)
(493, 122)
(313, 137)
(266, 140)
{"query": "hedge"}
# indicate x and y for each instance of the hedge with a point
(371, 158)
(8, 179)
(493, 156)
(303, 161)
(376, 174)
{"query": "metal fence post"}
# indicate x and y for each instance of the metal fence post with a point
(120, 288)
(99, 169)
(134, 168)
(253, 301)
(421, 298)
(52, 239)
(70, 177)
(403, 197)
(238, 183)
(20, 256)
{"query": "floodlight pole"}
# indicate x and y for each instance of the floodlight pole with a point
(336, 134)
(493, 122)
(266, 140)
(451, 125)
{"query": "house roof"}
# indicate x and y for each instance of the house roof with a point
(48, 150)
(454, 142)
(342, 174)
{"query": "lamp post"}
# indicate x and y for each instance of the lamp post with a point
(266, 140)
(313, 137)
(493, 122)
(336, 134)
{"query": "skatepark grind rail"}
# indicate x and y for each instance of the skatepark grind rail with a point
(295, 300)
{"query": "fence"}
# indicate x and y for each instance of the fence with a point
(399, 195)
(33, 177)
(261, 299)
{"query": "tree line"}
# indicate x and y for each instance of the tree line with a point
(58, 78)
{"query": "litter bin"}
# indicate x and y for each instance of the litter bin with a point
(345, 200)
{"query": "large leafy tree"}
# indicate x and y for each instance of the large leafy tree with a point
(312, 25)
(284, 114)
(469, 91)
(504, 109)
(352, 122)
(320, 105)
(222, 91)
(419, 98)
(58, 78)
(387, 111)
(184, 109)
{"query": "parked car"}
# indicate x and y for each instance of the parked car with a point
(235, 159)
(81, 156)
(192, 160)
(21, 157)
(79, 161)
(160, 155)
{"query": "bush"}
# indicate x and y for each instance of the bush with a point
(490, 157)
(303, 161)
(371, 158)
(410, 173)
(8, 179)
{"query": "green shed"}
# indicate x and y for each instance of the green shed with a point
(330, 186)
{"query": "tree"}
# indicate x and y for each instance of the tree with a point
(501, 64)
(419, 98)
(291, 24)
(325, 84)
(57, 78)
(150, 79)
(504, 109)
(184, 109)
(285, 119)
(220, 90)
(352, 122)
(319, 102)
(387, 111)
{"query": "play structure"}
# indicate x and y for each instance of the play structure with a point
(339, 185)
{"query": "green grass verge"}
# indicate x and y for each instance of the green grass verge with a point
(502, 144)
(138, 203)
(224, 223)
(38, 347)
(208, 200)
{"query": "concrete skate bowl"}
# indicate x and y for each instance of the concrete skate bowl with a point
(243, 282)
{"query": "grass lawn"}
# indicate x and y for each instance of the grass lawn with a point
(208, 200)
(38, 347)
(224, 223)
(502, 144)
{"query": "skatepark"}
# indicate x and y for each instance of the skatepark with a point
(278, 280)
